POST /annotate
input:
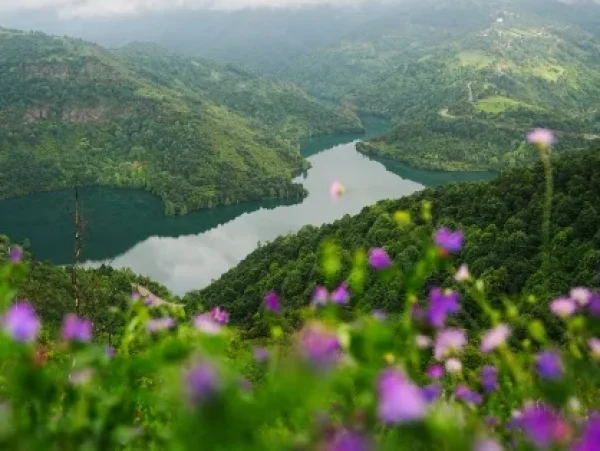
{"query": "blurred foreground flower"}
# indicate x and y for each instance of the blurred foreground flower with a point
(449, 241)
(441, 304)
(272, 302)
(379, 258)
(336, 190)
(542, 138)
(449, 341)
(76, 329)
(320, 347)
(549, 365)
(202, 381)
(495, 337)
(156, 325)
(400, 400)
(206, 323)
(21, 323)
(15, 255)
(221, 316)
(345, 440)
(563, 307)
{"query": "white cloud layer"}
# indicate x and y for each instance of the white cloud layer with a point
(90, 8)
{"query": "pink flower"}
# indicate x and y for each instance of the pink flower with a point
(422, 341)
(594, 344)
(462, 274)
(495, 337)
(449, 341)
(336, 190)
(563, 307)
(541, 137)
(581, 295)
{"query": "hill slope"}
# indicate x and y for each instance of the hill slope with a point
(73, 113)
(501, 220)
(465, 79)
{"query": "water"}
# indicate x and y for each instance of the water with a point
(127, 228)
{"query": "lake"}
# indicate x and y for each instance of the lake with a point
(128, 228)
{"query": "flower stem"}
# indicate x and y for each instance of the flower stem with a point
(547, 215)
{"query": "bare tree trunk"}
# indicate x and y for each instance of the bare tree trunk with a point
(77, 252)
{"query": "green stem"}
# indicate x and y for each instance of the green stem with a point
(547, 215)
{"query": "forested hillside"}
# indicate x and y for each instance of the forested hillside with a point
(501, 220)
(463, 79)
(195, 134)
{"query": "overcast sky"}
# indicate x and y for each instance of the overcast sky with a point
(70, 8)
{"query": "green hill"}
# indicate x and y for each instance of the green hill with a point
(464, 79)
(501, 220)
(194, 133)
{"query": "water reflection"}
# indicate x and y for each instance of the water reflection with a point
(128, 228)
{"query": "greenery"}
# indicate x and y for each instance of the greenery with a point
(399, 381)
(194, 133)
(501, 220)
(463, 79)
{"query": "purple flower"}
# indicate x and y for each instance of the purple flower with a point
(271, 303)
(495, 337)
(563, 307)
(76, 329)
(440, 306)
(109, 351)
(489, 378)
(202, 382)
(449, 341)
(21, 322)
(320, 347)
(541, 137)
(341, 295)
(435, 371)
(594, 305)
(549, 365)
(581, 295)
(449, 241)
(488, 444)
(15, 255)
(379, 315)
(206, 323)
(261, 354)
(467, 395)
(400, 400)
(346, 440)
(320, 296)
(150, 301)
(538, 424)
(135, 296)
(590, 438)
(156, 325)
(431, 392)
(221, 316)
(379, 258)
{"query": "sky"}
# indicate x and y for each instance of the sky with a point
(95, 8)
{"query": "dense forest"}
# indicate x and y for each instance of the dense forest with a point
(194, 133)
(501, 220)
(462, 80)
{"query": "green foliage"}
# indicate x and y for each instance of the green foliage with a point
(461, 85)
(194, 133)
(501, 220)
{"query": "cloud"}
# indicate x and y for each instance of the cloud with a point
(91, 8)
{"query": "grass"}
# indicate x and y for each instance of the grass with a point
(498, 104)
(548, 71)
(474, 58)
